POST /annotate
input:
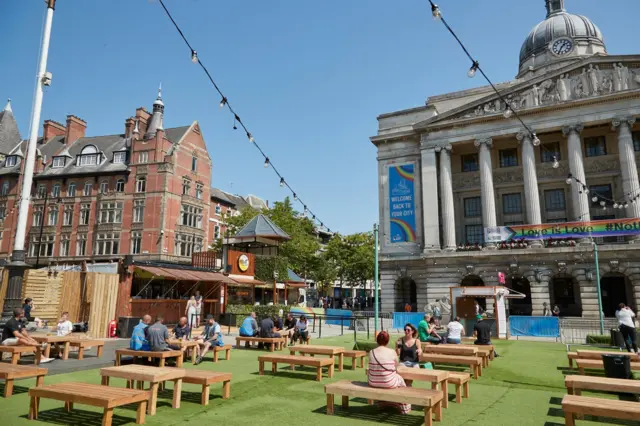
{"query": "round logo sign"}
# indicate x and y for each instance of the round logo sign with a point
(243, 263)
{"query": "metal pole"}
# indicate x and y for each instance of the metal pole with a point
(600, 313)
(375, 276)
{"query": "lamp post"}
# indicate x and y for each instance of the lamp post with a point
(375, 277)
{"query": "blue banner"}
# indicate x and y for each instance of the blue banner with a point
(534, 326)
(402, 206)
(339, 313)
(400, 319)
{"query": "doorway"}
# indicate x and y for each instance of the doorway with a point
(564, 292)
(520, 306)
(616, 288)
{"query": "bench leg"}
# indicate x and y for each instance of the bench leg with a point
(438, 411)
(68, 406)
(581, 371)
(568, 419)
(570, 362)
(38, 355)
(215, 355)
(141, 412)
(140, 385)
(204, 400)
(474, 369)
(47, 350)
(33, 408)
(408, 382)
(153, 399)
(80, 352)
(161, 362)
(331, 371)
(261, 368)
(193, 356)
(227, 356)
(444, 386)
(340, 361)
(130, 384)
(479, 367)
(345, 401)
(362, 362)
(428, 416)
(319, 374)
(329, 404)
(226, 389)
(180, 360)
(465, 394)
(39, 381)
(99, 354)
(15, 357)
(107, 417)
(353, 363)
(65, 354)
(274, 367)
(272, 347)
(458, 394)
(177, 393)
(8, 388)
(118, 359)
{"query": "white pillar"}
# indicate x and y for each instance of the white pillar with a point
(486, 183)
(531, 195)
(446, 198)
(431, 226)
(630, 184)
(579, 200)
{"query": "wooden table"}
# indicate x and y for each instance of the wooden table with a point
(49, 340)
(435, 377)
(312, 350)
(187, 345)
(17, 351)
(154, 375)
(576, 384)
(583, 354)
(10, 372)
(159, 355)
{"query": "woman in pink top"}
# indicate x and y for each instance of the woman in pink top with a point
(383, 373)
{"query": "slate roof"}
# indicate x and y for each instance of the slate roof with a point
(293, 277)
(174, 134)
(220, 195)
(9, 133)
(262, 226)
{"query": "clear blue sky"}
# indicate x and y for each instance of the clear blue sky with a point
(307, 77)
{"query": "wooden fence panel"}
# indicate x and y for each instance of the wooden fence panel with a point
(4, 285)
(104, 295)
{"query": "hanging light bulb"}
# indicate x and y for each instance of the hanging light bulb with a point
(602, 203)
(281, 182)
(568, 180)
(234, 125)
(621, 206)
(435, 11)
(251, 138)
(615, 205)
(585, 189)
(295, 197)
(306, 210)
(603, 206)
(223, 102)
(594, 199)
(507, 113)
(194, 56)
(266, 162)
(472, 71)
(535, 139)
(626, 205)
(556, 164)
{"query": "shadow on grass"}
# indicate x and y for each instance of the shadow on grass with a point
(16, 389)
(558, 412)
(298, 373)
(194, 397)
(59, 416)
(374, 414)
(555, 400)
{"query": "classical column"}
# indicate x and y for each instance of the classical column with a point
(579, 200)
(630, 184)
(446, 198)
(486, 183)
(532, 198)
(431, 227)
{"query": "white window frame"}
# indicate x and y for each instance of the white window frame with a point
(143, 157)
(141, 184)
(107, 243)
(55, 191)
(64, 245)
(136, 242)
(110, 212)
(87, 189)
(138, 211)
(119, 157)
(59, 162)
(81, 244)
(120, 185)
(104, 187)
(67, 218)
(85, 214)
(5, 188)
(11, 161)
(71, 189)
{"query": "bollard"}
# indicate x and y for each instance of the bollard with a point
(342, 326)
(314, 324)
(368, 336)
(320, 329)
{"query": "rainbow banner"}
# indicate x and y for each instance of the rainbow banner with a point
(402, 206)
(595, 228)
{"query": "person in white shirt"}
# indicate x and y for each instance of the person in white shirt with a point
(64, 326)
(627, 327)
(456, 331)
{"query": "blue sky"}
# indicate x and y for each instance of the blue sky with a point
(307, 77)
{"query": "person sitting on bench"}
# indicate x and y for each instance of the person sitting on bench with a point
(15, 334)
(267, 330)
(482, 333)
(409, 347)
(249, 326)
(182, 331)
(211, 336)
(289, 328)
(157, 336)
(383, 372)
(302, 330)
(138, 340)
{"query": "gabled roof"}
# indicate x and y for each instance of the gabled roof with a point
(293, 277)
(9, 133)
(220, 195)
(174, 134)
(262, 226)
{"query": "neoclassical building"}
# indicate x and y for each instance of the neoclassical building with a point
(463, 163)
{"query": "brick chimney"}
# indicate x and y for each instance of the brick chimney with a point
(128, 127)
(143, 117)
(76, 128)
(52, 129)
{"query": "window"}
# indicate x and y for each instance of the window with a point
(186, 187)
(3, 211)
(138, 211)
(111, 212)
(37, 215)
(136, 242)
(89, 156)
(472, 207)
(554, 200)
(508, 157)
(88, 186)
(5, 189)
(11, 161)
(548, 151)
(55, 191)
(186, 245)
(474, 234)
(107, 243)
(85, 213)
(596, 146)
(636, 141)
(143, 157)
(58, 162)
(120, 185)
(194, 163)
(42, 191)
(64, 245)
(603, 191)
(199, 191)
(81, 245)
(511, 203)
(120, 157)
(557, 220)
(67, 218)
(191, 216)
(216, 232)
(470, 163)
(141, 184)
(43, 247)
(71, 190)
(104, 187)
(218, 209)
(53, 216)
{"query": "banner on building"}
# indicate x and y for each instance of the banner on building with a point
(402, 206)
(595, 228)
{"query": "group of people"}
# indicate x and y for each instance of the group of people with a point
(275, 327)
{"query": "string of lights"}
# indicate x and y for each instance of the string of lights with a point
(511, 112)
(224, 102)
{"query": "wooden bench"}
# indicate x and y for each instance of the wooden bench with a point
(331, 351)
(17, 351)
(206, 378)
(598, 355)
(461, 380)
(594, 364)
(431, 400)
(51, 340)
(573, 405)
(463, 350)
(10, 372)
(87, 344)
(576, 384)
(161, 355)
(572, 356)
(474, 363)
(273, 342)
(355, 356)
(216, 349)
(95, 395)
(490, 348)
(292, 360)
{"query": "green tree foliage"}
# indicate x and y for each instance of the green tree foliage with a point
(352, 256)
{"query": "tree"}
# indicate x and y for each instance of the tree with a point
(353, 257)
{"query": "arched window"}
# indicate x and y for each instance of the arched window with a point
(120, 185)
(89, 156)
(89, 149)
(141, 184)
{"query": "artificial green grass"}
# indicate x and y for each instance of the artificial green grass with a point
(524, 386)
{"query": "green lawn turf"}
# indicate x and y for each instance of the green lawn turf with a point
(524, 386)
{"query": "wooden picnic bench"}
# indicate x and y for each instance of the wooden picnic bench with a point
(573, 405)
(594, 364)
(273, 342)
(89, 394)
(84, 344)
(292, 360)
(187, 345)
(206, 378)
(473, 362)
(572, 356)
(431, 400)
(312, 350)
(17, 351)
(161, 355)
(464, 350)
(490, 348)
(215, 350)
(57, 341)
(10, 372)
(143, 373)
(355, 357)
(583, 354)
(576, 384)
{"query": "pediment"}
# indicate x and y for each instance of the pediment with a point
(594, 77)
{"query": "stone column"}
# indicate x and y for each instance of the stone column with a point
(486, 183)
(579, 200)
(532, 198)
(431, 226)
(446, 198)
(630, 184)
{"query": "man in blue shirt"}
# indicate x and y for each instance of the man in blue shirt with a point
(211, 336)
(138, 340)
(249, 326)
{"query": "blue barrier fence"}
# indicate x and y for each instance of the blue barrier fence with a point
(534, 326)
(402, 318)
(339, 313)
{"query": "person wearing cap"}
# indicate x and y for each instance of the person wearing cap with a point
(211, 336)
(482, 333)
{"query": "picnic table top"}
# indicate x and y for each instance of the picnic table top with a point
(143, 373)
(152, 354)
(206, 375)
(317, 349)
(417, 396)
(53, 338)
(450, 348)
(13, 371)
(428, 356)
(602, 383)
(591, 352)
(182, 343)
(422, 374)
(90, 394)
(296, 359)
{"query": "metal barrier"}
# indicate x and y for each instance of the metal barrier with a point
(338, 316)
(574, 330)
(534, 326)
(402, 318)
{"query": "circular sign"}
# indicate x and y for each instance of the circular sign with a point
(243, 263)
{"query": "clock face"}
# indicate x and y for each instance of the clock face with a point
(562, 46)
